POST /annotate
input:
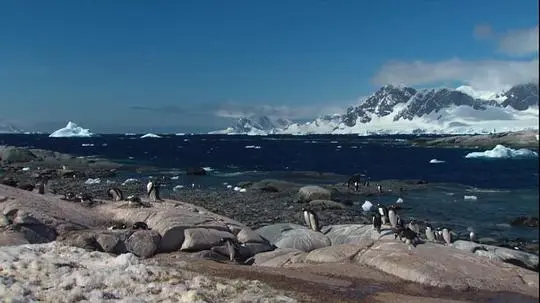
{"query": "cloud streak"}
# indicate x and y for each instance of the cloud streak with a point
(484, 74)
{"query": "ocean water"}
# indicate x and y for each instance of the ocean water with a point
(504, 188)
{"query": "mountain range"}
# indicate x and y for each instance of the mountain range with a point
(406, 110)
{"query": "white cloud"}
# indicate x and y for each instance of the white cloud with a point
(520, 42)
(488, 75)
(484, 75)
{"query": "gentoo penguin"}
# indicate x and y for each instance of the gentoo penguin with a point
(232, 248)
(430, 236)
(140, 225)
(311, 219)
(392, 217)
(153, 191)
(472, 234)
(400, 222)
(383, 211)
(42, 186)
(117, 226)
(377, 223)
(438, 235)
(409, 235)
(447, 236)
(134, 201)
(414, 226)
(379, 188)
(85, 197)
(115, 194)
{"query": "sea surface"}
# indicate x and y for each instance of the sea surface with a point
(497, 189)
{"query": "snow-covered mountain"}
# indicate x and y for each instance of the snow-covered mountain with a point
(406, 110)
(8, 128)
(256, 125)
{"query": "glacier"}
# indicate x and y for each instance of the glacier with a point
(503, 152)
(71, 130)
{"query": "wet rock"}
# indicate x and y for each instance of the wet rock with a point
(143, 243)
(526, 221)
(196, 171)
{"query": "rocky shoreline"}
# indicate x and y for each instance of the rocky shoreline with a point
(522, 139)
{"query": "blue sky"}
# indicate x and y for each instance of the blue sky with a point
(117, 66)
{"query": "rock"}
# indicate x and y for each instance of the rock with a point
(313, 192)
(3, 199)
(277, 258)
(255, 248)
(37, 233)
(271, 185)
(4, 221)
(17, 155)
(526, 221)
(85, 239)
(355, 234)
(247, 235)
(334, 254)
(302, 239)
(112, 242)
(326, 204)
(442, 266)
(196, 171)
(209, 255)
(487, 241)
(12, 238)
(9, 181)
(143, 243)
(203, 238)
(273, 232)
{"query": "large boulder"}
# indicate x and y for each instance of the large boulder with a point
(143, 243)
(196, 239)
(274, 232)
(503, 254)
(326, 204)
(356, 234)
(286, 235)
(313, 192)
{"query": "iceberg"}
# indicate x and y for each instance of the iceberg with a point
(367, 206)
(150, 135)
(503, 152)
(71, 130)
(436, 161)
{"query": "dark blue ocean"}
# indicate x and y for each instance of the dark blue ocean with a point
(504, 188)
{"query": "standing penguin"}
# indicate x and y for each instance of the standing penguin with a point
(392, 217)
(472, 234)
(311, 219)
(42, 185)
(379, 188)
(383, 211)
(438, 235)
(430, 236)
(377, 223)
(153, 191)
(413, 225)
(232, 248)
(447, 236)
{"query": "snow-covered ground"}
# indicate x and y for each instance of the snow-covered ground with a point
(56, 273)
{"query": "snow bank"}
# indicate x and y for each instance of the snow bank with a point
(503, 152)
(71, 130)
(150, 135)
(56, 273)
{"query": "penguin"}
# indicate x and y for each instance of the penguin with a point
(410, 236)
(447, 236)
(400, 222)
(472, 236)
(140, 225)
(311, 219)
(153, 191)
(356, 186)
(392, 217)
(84, 197)
(438, 235)
(377, 223)
(414, 226)
(115, 194)
(383, 211)
(430, 236)
(379, 188)
(232, 248)
(42, 186)
(134, 201)
(116, 226)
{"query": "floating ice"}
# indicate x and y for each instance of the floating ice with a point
(150, 135)
(178, 187)
(175, 177)
(25, 168)
(470, 197)
(436, 161)
(71, 130)
(207, 169)
(87, 144)
(503, 152)
(399, 200)
(367, 206)
(252, 146)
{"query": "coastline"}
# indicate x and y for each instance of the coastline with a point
(520, 139)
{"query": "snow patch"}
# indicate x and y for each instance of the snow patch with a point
(482, 94)
(436, 161)
(503, 152)
(91, 181)
(71, 130)
(150, 135)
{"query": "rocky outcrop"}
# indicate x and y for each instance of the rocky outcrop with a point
(526, 221)
(313, 192)
(520, 139)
